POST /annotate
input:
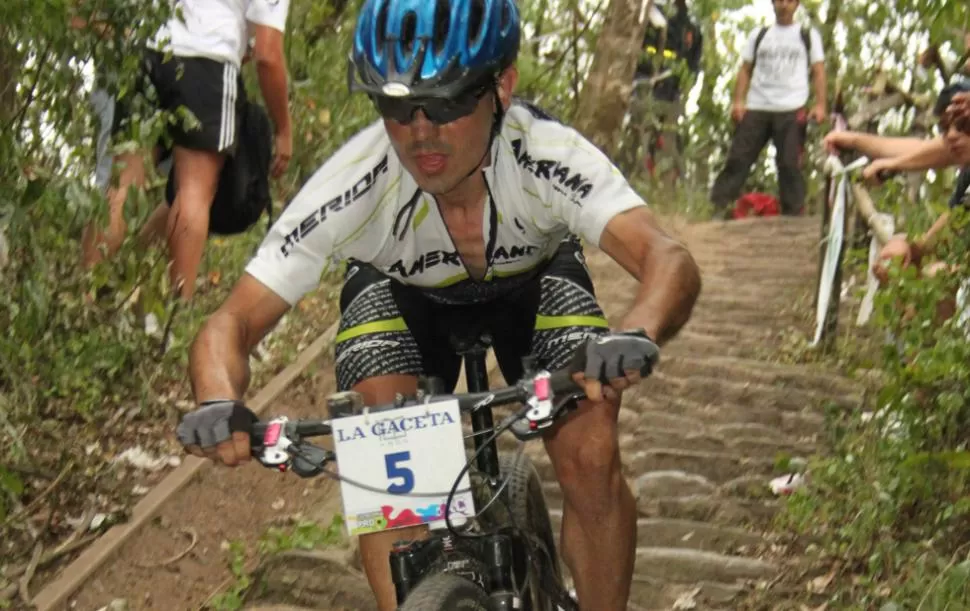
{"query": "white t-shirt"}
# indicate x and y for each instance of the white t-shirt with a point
(780, 79)
(546, 181)
(218, 29)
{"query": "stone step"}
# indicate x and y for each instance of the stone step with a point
(766, 446)
(729, 333)
(663, 411)
(319, 579)
(680, 565)
(689, 534)
(705, 389)
(650, 594)
(717, 467)
(775, 320)
(667, 532)
(715, 509)
(802, 377)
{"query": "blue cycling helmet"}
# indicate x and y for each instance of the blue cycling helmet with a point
(431, 48)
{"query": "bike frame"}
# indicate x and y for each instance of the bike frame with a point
(489, 560)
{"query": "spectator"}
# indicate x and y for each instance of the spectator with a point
(777, 64)
(669, 45)
(194, 64)
(950, 148)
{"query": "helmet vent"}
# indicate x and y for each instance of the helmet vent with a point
(475, 21)
(409, 26)
(380, 28)
(442, 20)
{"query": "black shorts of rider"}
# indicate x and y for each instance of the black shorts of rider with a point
(205, 99)
(387, 327)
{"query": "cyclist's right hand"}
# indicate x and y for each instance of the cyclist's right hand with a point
(738, 110)
(219, 430)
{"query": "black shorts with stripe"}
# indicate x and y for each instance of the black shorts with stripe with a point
(387, 327)
(211, 92)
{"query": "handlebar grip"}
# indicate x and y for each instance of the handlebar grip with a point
(561, 382)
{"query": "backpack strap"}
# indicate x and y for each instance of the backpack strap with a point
(757, 43)
(807, 41)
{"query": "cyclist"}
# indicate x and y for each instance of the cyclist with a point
(457, 206)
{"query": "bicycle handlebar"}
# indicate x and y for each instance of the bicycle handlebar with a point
(280, 443)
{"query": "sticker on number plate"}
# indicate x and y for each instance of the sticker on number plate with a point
(408, 458)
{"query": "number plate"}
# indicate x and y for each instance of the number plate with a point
(412, 455)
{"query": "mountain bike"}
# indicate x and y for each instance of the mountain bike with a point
(500, 557)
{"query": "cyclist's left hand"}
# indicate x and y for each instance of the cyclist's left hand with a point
(617, 360)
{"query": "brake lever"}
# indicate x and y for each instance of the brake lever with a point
(308, 459)
(273, 452)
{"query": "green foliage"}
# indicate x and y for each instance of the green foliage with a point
(302, 535)
(79, 376)
(892, 503)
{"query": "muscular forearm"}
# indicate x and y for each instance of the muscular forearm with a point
(273, 84)
(670, 283)
(932, 154)
(929, 242)
(219, 359)
(877, 147)
(741, 88)
(821, 86)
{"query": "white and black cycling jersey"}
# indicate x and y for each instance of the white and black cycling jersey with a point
(546, 181)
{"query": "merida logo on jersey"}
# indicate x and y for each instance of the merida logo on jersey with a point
(559, 175)
(513, 253)
(338, 203)
(425, 261)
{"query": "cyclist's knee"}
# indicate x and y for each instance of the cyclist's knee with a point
(380, 390)
(585, 449)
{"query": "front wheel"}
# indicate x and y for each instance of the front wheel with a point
(445, 592)
(527, 505)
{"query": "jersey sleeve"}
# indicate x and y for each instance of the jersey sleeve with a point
(747, 53)
(818, 50)
(270, 13)
(575, 183)
(330, 220)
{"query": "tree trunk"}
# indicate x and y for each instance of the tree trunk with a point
(8, 78)
(711, 64)
(606, 95)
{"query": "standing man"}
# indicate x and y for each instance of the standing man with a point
(778, 62)
(194, 65)
(669, 46)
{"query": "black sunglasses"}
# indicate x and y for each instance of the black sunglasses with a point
(438, 110)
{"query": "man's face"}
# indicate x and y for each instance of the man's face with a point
(441, 156)
(955, 127)
(785, 10)
(959, 144)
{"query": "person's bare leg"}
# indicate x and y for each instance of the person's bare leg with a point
(375, 548)
(197, 176)
(599, 523)
(153, 231)
(97, 244)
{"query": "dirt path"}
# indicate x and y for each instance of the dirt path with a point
(700, 440)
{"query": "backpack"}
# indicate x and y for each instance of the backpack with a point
(243, 191)
(806, 32)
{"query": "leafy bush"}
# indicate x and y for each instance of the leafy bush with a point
(892, 504)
